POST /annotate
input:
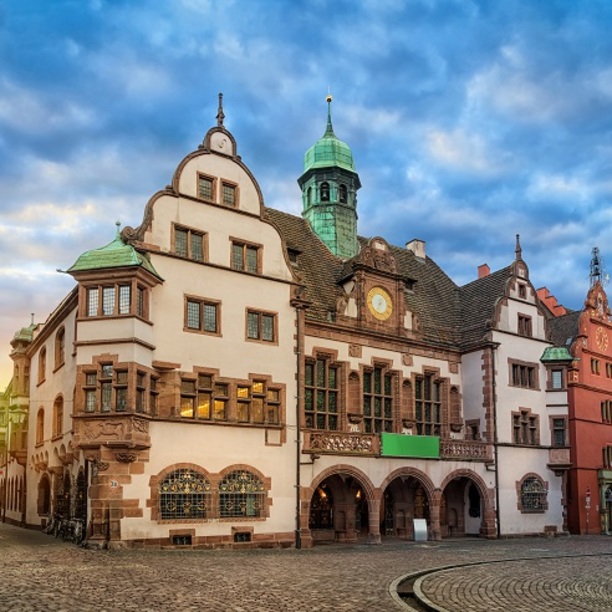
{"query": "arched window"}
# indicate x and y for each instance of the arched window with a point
(309, 195)
(533, 493)
(60, 347)
(40, 426)
(42, 364)
(44, 496)
(58, 416)
(184, 494)
(241, 494)
(325, 192)
(342, 194)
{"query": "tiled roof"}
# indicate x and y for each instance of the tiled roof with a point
(478, 300)
(564, 329)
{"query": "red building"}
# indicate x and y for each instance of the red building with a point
(588, 336)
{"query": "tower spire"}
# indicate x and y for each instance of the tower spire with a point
(596, 274)
(220, 113)
(518, 251)
(329, 131)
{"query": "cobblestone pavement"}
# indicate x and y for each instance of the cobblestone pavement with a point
(40, 573)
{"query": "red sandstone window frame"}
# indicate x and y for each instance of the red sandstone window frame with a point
(525, 427)
(524, 325)
(193, 251)
(213, 187)
(523, 374)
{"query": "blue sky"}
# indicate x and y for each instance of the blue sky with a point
(470, 121)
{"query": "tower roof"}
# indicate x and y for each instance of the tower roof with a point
(116, 254)
(329, 151)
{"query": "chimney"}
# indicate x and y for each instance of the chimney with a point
(483, 270)
(417, 247)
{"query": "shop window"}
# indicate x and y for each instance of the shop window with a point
(241, 495)
(321, 404)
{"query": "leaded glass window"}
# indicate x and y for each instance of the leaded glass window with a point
(92, 302)
(533, 495)
(245, 257)
(189, 243)
(108, 301)
(241, 494)
(428, 405)
(125, 298)
(261, 326)
(202, 315)
(204, 398)
(321, 395)
(377, 401)
(257, 403)
(205, 188)
(184, 494)
(229, 194)
(180, 242)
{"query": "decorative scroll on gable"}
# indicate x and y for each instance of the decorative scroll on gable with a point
(377, 254)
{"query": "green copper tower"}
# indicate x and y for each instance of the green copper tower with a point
(329, 187)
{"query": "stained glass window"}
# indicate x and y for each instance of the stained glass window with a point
(184, 494)
(241, 494)
(533, 495)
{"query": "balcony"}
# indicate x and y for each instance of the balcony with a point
(395, 445)
(341, 443)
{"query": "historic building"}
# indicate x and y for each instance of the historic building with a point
(585, 335)
(226, 374)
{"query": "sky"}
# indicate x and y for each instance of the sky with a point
(469, 120)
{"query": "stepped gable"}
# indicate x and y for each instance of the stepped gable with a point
(316, 264)
(564, 328)
(478, 301)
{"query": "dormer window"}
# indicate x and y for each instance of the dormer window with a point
(228, 193)
(325, 192)
(342, 194)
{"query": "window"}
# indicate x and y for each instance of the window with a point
(606, 411)
(245, 257)
(342, 193)
(559, 431)
(608, 370)
(58, 416)
(258, 403)
(121, 390)
(522, 291)
(321, 395)
(141, 388)
(114, 300)
(91, 381)
(524, 325)
(42, 364)
(204, 398)
(525, 428)
(523, 375)
(202, 315)
(607, 457)
(595, 366)
(206, 189)
(325, 192)
(153, 395)
(184, 494)
(40, 426)
(556, 379)
(60, 347)
(532, 494)
(261, 326)
(228, 194)
(377, 401)
(428, 405)
(241, 494)
(189, 243)
(106, 387)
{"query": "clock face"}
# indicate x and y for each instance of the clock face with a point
(601, 338)
(379, 303)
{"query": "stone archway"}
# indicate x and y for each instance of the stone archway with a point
(407, 494)
(466, 506)
(338, 507)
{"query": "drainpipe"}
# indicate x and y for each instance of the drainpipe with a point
(298, 430)
(495, 439)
